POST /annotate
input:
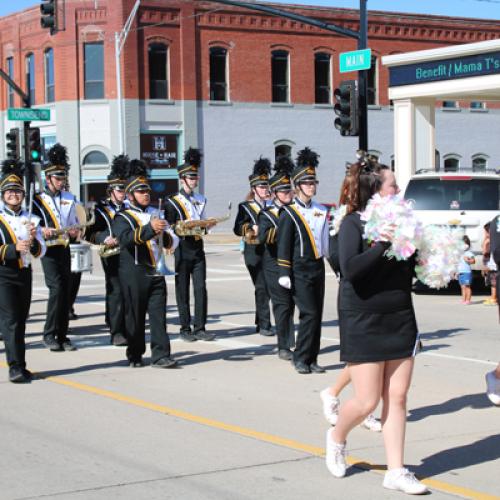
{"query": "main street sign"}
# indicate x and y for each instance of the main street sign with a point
(356, 60)
(28, 114)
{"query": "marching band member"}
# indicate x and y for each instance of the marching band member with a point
(246, 226)
(190, 262)
(101, 233)
(302, 244)
(281, 298)
(56, 209)
(19, 238)
(136, 228)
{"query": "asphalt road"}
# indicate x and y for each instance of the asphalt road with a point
(234, 421)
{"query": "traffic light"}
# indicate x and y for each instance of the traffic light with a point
(34, 144)
(48, 9)
(346, 108)
(12, 144)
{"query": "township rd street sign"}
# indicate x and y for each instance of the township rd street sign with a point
(28, 114)
(356, 60)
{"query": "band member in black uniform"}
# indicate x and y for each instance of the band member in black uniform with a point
(19, 237)
(140, 230)
(190, 261)
(56, 209)
(101, 233)
(281, 186)
(302, 244)
(246, 226)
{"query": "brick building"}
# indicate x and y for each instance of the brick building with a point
(236, 83)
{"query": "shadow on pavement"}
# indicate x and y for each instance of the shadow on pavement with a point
(240, 354)
(79, 369)
(475, 401)
(439, 334)
(484, 450)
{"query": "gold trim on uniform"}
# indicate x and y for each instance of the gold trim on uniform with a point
(13, 237)
(308, 229)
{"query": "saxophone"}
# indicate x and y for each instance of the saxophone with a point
(61, 235)
(198, 227)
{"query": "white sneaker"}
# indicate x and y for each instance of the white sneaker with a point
(372, 424)
(330, 406)
(493, 388)
(405, 481)
(335, 456)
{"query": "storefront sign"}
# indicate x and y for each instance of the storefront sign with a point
(159, 150)
(445, 69)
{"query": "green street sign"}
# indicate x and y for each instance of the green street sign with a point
(28, 114)
(356, 60)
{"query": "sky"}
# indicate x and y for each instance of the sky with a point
(487, 9)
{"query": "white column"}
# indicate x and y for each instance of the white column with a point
(414, 138)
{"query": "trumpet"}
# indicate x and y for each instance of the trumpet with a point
(161, 268)
(198, 227)
(106, 251)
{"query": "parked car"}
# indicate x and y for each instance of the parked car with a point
(464, 199)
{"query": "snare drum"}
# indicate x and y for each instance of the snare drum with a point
(81, 258)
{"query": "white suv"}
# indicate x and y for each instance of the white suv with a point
(465, 199)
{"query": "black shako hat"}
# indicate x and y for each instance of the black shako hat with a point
(281, 180)
(305, 166)
(192, 163)
(119, 169)
(12, 175)
(137, 176)
(57, 163)
(260, 174)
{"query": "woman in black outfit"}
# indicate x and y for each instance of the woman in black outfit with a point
(378, 330)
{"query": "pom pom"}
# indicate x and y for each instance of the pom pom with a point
(336, 217)
(58, 155)
(307, 158)
(193, 157)
(439, 255)
(392, 215)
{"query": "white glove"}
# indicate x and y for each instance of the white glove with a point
(285, 282)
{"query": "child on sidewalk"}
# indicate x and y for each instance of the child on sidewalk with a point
(465, 273)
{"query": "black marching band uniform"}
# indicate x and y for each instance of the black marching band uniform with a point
(246, 218)
(99, 234)
(143, 289)
(302, 244)
(56, 210)
(281, 297)
(15, 273)
(190, 254)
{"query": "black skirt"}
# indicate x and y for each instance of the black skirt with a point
(369, 337)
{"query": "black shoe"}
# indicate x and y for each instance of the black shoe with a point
(315, 368)
(17, 375)
(203, 335)
(285, 354)
(28, 374)
(266, 333)
(66, 345)
(301, 367)
(52, 344)
(72, 316)
(135, 363)
(187, 337)
(119, 340)
(166, 362)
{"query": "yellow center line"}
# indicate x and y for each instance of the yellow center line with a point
(260, 436)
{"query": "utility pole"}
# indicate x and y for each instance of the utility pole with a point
(361, 36)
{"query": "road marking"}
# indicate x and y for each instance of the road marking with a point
(257, 435)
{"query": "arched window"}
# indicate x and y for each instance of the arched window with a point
(372, 82)
(30, 77)
(48, 57)
(158, 70)
(95, 158)
(280, 76)
(479, 163)
(322, 78)
(218, 74)
(451, 162)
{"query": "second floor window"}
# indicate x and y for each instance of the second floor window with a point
(218, 74)
(158, 69)
(30, 77)
(49, 75)
(10, 91)
(372, 82)
(322, 78)
(279, 75)
(94, 70)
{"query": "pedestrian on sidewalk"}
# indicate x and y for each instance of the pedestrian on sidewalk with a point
(465, 273)
(489, 268)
